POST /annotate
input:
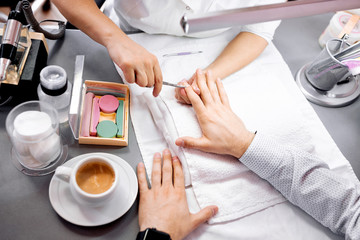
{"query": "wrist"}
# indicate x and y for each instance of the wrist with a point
(113, 36)
(152, 234)
(243, 144)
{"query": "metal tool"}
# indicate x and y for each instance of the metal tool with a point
(9, 42)
(173, 85)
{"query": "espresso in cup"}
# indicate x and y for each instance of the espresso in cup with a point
(95, 177)
(92, 180)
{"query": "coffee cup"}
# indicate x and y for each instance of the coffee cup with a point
(92, 180)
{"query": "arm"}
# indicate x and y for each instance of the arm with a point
(137, 64)
(241, 51)
(302, 178)
(308, 183)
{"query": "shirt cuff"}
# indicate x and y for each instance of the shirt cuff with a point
(265, 30)
(263, 156)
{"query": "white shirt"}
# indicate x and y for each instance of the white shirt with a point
(163, 16)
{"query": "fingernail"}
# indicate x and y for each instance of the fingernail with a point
(157, 155)
(180, 142)
(175, 159)
(196, 89)
(214, 211)
(166, 152)
(140, 165)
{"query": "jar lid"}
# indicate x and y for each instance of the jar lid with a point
(53, 77)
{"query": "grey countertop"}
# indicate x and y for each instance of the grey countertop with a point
(25, 209)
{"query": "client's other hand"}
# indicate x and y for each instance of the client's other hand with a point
(164, 206)
(222, 131)
(180, 93)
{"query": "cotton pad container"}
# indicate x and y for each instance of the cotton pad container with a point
(33, 128)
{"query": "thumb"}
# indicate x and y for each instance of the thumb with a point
(203, 215)
(190, 142)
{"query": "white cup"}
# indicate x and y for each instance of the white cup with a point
(81, 176)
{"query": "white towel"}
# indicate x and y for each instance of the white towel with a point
(264, 105)
(262, 94)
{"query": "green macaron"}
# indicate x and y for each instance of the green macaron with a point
(106, 129)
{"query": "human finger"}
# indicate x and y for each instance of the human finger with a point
(141, 175)
(179, 181)
(183, 96)
(156, 171)
(167, 170)
(129, 74)
(211, 83)
(149, 71)
(181, 93)
(222, 93)
(140, 78)
(204, 90)
(190, 142)
(195, 100)
(195, 87)
(158, 80)
(203, 215)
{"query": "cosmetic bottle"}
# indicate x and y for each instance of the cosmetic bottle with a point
(338, 23)
(55, 89)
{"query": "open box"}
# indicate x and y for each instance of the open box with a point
(99, 89)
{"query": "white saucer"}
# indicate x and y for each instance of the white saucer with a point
(67, 207)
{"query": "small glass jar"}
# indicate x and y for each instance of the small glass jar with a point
(55, 89)
(33, 128)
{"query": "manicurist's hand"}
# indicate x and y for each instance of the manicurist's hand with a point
(223, 131)
(164, 206)
(138, 65)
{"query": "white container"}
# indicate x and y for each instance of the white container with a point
(55, 89)
(337, 24)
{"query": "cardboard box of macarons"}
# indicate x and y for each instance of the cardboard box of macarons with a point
(104, 114)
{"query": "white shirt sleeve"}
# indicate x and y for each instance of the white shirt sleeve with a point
(265, 30)
(308, 183)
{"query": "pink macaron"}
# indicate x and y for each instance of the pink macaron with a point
(108, 103)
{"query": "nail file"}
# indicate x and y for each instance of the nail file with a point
(120, 119)
(86, 115)
(95, 116)
(108, 103)
(106, 129)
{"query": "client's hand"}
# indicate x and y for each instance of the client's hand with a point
(223, 131)
(164, 206)
(180, 93)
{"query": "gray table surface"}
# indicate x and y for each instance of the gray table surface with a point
(25, 209)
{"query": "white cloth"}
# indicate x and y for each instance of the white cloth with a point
(274, 85)
(216, 179)
(163, 16)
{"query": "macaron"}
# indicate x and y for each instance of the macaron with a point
(108, 103)
(106, 129)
